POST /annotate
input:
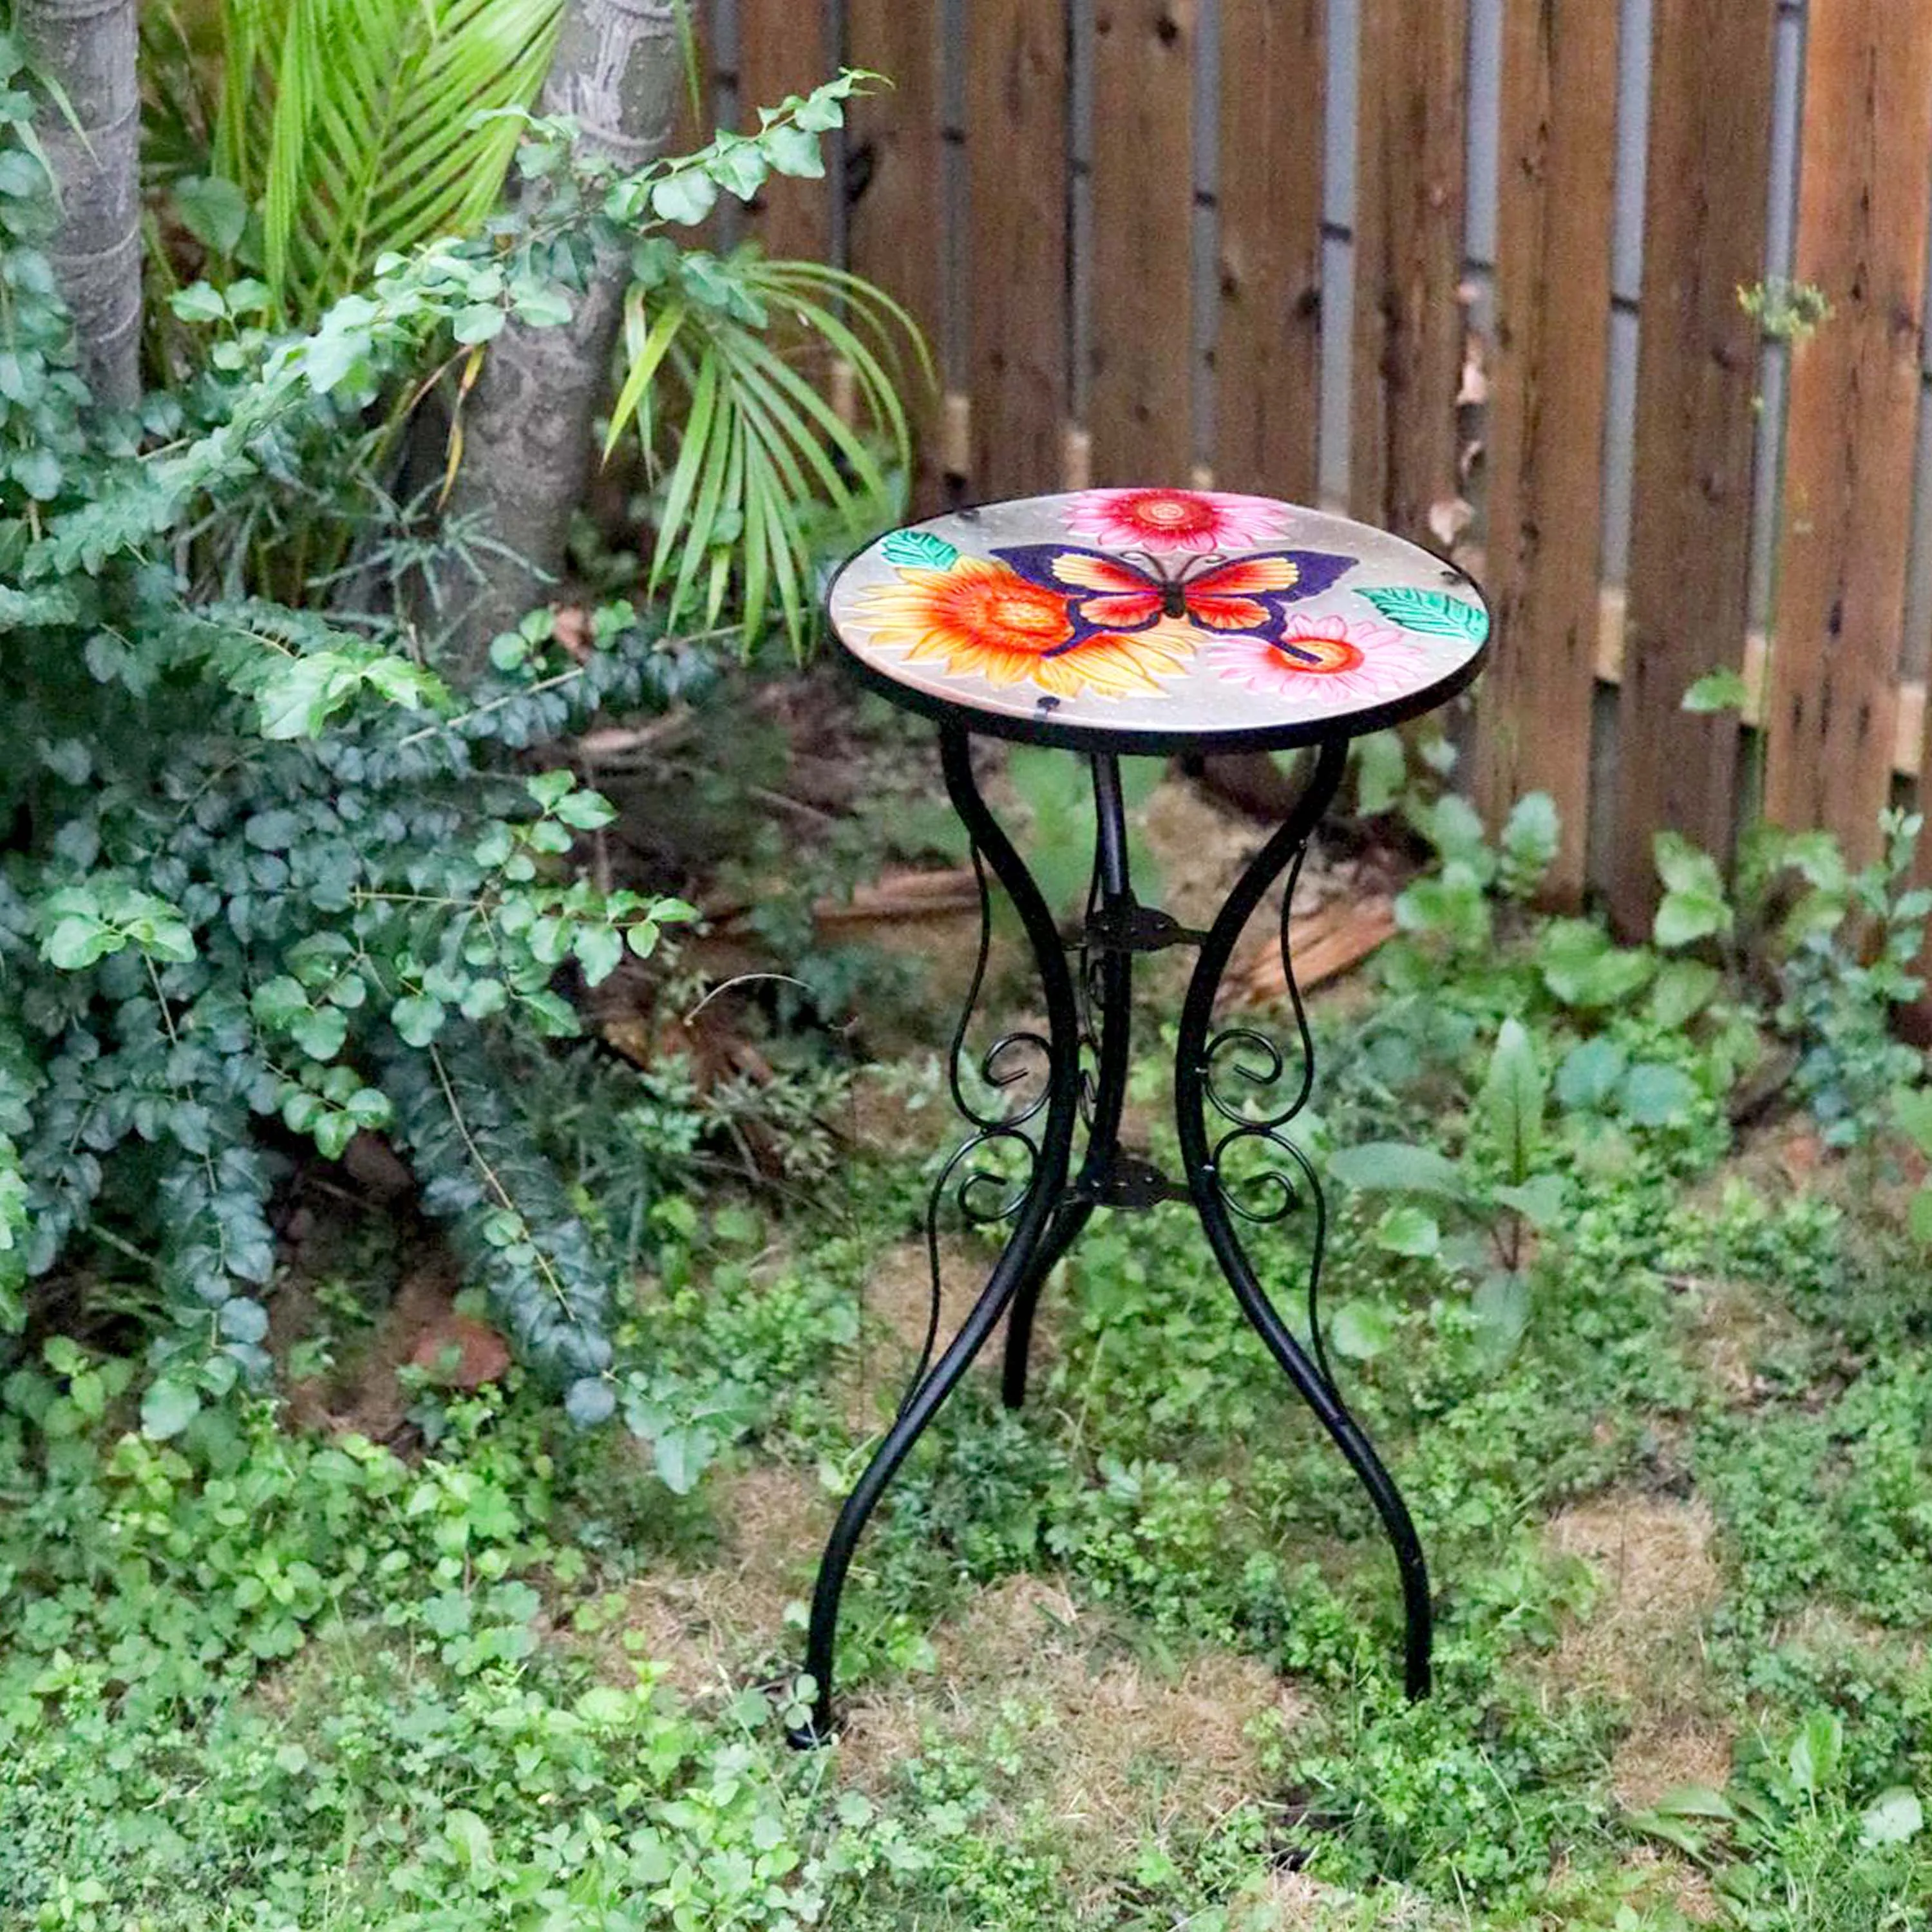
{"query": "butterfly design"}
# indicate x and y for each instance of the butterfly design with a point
(1133, 590)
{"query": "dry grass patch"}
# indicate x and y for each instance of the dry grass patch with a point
(711, 1626)
(1665, 1754)
(1111, 1747)
(1652, 1555)
(1663, 1878)
(1731, 1327)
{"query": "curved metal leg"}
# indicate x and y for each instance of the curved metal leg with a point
(1109, 978)
(1036, 1213)
(1217, 1204)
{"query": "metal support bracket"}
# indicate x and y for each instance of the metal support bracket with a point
(1127, 1181)
(1128, 926)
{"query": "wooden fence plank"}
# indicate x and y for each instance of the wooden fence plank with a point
(1704, 219)
(1408, 323)
(1016, 278)
(782, 50)
(1557, 145)
(1268, 336)
(896, 234)
(1864, 196)
(1143, 216)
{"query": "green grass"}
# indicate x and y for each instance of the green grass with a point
(1126, 1661)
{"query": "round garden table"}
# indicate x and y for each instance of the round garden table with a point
(1111, 623)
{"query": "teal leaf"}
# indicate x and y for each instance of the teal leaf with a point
(1892, 1817)
(1657, 1095)
(1589, 1073)
(589, 1401)
(920, 548)
(167, 1408)
(1432, 613)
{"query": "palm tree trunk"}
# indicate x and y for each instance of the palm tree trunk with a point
(527, 426)
(88, 48)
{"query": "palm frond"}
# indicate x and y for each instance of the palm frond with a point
(372, 138)
(766, 475)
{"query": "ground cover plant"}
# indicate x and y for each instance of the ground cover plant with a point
(1125, 1660)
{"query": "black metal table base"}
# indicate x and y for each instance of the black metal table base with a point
(1087, 1017)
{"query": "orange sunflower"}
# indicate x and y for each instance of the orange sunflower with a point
(982, 618)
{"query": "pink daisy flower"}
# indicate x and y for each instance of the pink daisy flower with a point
(1199, 520)
(1326, 662)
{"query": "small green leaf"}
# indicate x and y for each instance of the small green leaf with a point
(417, 1019)
(1530, 838)
(481, 322)
(1683, 988)
(739, 167)
(1407, 1229)
(598, 949)
(1911, 1107)
(1582, 967)
(320, 1031)
(1539, 1200)
(1430, 613)
(1360, 1330)
(1684, 918)
(686, 196)
(1717, 690)
(1919, 1217)
(682, 1455)
(792, 150)
(198, 302)
(214, 212)
(538, 305)
(241, 1319)
(1815, 1753)
(1501, 1305)
(1397, 1166)
(77, 941)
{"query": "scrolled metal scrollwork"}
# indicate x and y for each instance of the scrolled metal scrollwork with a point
(1223, 1047)
(1269, 1195)
(984, 1195)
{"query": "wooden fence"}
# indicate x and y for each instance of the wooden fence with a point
(1475, 269)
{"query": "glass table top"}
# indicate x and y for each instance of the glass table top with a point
(1159, 619)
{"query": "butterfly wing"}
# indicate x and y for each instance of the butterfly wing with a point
(1108, 592)
(1251, 593)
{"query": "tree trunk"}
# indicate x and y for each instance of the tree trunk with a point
(527, 426)
(88, 48)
